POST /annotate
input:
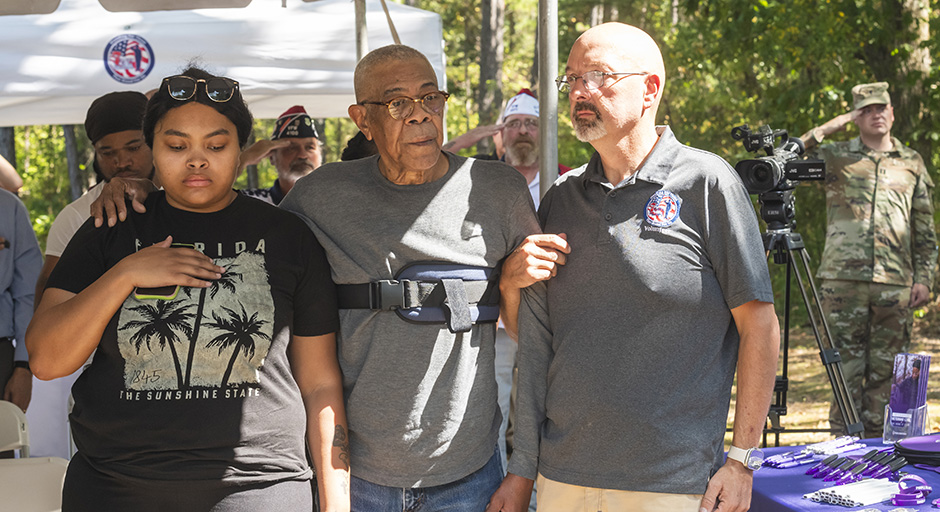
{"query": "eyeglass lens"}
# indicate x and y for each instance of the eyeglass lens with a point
(592, 80)
(530, 124)
(217, 89)
(400, 108)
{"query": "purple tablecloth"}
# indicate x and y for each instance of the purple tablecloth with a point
(782, 490)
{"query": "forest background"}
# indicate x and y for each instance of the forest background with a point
(789, 64)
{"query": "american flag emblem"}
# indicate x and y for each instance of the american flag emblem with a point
(128, 58)
(663, 209)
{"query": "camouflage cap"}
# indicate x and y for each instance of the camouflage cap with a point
(871, 94)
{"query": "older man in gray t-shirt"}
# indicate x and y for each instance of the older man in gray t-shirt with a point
(420, 397)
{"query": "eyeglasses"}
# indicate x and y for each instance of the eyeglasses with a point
(403, 106)
(530, 124)
(218, 89)
(593, 80)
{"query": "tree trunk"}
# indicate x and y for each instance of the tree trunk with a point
(8, 144)
(906, 28)
(490, 98)
(71, 157)
(251, 171)
(909, 91)
(320, 126)
(534, 69)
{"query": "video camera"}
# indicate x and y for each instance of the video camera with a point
(780, 169)
(773, 177)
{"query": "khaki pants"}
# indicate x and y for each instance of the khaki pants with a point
(560, 497)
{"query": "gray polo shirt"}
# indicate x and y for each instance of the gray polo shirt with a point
(627, 356)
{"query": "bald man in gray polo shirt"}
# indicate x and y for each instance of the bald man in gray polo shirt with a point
(628, 354)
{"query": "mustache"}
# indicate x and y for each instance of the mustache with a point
(301, 162)
(583, 105)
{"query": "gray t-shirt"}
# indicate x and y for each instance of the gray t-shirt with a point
(421, 401)
(627, 355)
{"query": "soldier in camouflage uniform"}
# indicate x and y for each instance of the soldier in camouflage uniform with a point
(881, 247)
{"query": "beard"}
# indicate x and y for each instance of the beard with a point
(301, 167)
(523, 151)
(587, 130)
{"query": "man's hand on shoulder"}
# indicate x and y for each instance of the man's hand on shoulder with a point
(729, 490)
(110, 204)
(512, 495)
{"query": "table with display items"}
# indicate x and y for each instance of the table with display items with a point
(782, 490)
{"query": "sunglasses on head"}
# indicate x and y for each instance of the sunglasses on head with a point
(218, 89)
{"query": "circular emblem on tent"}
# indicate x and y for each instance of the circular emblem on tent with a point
(663, 209)
(128, 58)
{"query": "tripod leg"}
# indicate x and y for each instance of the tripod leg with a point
(828, 353)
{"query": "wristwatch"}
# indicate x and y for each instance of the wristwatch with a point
(752, 458)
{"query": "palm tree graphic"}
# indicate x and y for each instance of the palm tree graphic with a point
(227, 282)
(161, 320)
(240, 332)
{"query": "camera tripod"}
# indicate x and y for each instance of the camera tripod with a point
(784, 244)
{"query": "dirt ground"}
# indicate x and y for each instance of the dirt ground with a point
(810, 393)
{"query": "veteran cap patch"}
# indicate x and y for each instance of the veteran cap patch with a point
(294, 124)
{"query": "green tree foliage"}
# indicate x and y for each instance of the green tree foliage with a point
(41, 162)
(789, 64)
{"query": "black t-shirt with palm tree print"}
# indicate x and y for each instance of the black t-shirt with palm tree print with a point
(199, 387)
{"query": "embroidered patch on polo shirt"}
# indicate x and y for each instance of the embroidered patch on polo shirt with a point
(662, 210)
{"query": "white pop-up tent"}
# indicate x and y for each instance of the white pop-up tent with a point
(53, 65)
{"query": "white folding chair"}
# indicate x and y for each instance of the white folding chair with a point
(14, 432)
(32, 485)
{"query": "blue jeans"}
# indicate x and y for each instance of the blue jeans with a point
(469, 494)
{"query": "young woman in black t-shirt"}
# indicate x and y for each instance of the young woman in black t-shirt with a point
(212, 318)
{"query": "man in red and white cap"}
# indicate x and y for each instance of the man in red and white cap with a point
(518, 133)
(294, 150)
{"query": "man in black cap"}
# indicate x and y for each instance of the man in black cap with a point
(294, 150)
(113, 124)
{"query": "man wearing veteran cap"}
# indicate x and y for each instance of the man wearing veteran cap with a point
(520, 135)
(294, 150)
(881, 247)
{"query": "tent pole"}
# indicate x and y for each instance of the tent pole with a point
(548, 94)
(71, 158)
(362, 35)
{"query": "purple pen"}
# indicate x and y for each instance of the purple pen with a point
(829, 468)
(839, 471)
(890, 468)
(813, 470)
(878, 463)
(852, 475)
(832, 466)
(794, 463)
